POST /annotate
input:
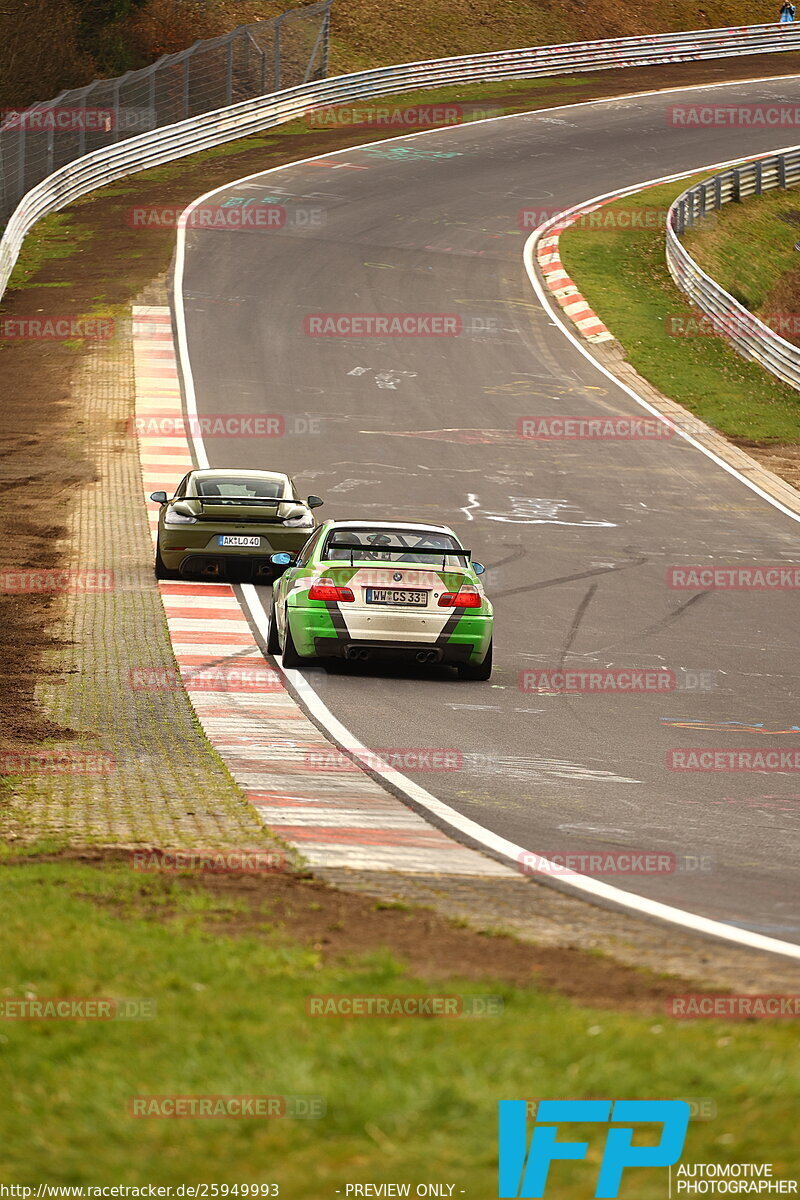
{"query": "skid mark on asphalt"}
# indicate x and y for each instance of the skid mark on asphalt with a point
(545, 583)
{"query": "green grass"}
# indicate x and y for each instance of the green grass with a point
(54, 237)
(623, 275)
(716, 244)
(406, 1099)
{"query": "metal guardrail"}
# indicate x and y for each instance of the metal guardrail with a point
(753, 338)
(201, 132)
(249, 61)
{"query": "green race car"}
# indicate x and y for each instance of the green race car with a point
(227, 524)
(363, 589)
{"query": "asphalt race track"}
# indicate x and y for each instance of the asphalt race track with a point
(577, 535)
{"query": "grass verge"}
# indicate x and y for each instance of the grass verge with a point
(749, 249)
(230, 1018)
(620, 268)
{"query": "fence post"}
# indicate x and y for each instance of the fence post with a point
(186, 84)
(115, 132)
(276, 62)
(229, 72)
(326, 41)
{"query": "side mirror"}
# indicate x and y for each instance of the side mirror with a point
(159, 497)
(282, 559)
(478, 568)
(314, 502)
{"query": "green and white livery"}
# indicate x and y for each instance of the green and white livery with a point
(364, 589)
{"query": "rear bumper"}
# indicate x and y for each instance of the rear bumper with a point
(224, 566)
(320, 631)
(193, 551)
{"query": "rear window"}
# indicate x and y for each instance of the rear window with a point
(395, 545)
(242, 489)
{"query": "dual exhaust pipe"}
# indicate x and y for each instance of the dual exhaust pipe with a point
(362, 653)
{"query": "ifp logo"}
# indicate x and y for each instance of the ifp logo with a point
(524, 1171)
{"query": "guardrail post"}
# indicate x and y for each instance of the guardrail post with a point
(781, 171)
(737, 187)
(717, 191)
(759, 179)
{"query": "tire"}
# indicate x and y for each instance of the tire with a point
(273, 645)
(162, 571)
(290, 656)
(478, 671)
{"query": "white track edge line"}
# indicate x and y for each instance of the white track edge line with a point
(578, 883)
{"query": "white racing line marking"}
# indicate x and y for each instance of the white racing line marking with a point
(395, 780)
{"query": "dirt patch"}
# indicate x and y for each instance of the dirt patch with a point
(781, 460)
(340, 925)
(43, 453)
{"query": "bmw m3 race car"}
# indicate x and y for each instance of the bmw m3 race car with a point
(224, 524)
(362, 589)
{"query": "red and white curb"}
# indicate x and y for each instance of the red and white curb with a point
(558, 282)
(306, 790)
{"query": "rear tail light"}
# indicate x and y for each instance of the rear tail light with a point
(328, 591)
(459, 600)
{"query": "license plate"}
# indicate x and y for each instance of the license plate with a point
(230, 539)
(396, 596)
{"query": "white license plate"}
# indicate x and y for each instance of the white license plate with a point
(230, 539)
(396, 596)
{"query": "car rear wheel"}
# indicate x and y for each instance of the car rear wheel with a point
(273, 645)
(290, 656)
(477, 670)
(162, 571)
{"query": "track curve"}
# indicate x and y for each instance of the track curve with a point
(577, 535)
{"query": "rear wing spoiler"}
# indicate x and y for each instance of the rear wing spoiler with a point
(237, 501)
(372, 549)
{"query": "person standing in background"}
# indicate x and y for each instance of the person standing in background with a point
(787, 12)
